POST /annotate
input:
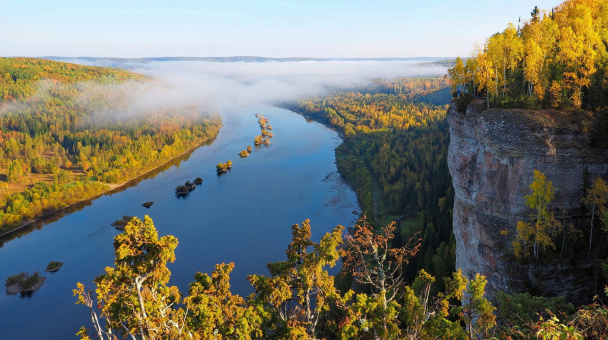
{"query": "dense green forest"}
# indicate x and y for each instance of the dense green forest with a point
(394, 155)
(67, 133)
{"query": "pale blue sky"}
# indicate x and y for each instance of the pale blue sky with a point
(269, 28)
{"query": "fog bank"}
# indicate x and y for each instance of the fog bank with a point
(234, 85)
(206, 87)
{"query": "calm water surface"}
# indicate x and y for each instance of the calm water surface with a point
(243, 216)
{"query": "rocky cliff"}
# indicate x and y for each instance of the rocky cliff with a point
(491, 157)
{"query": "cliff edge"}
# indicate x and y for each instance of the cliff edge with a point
(491, 157)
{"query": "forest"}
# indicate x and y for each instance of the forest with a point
(556, 59)
(62, 139)
(394, 155)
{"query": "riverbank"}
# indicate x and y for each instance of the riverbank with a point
(112, 188)
(308, 116)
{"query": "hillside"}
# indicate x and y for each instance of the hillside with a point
(65, 135)
(19, 77)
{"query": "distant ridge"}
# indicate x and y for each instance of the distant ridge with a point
(250, 59)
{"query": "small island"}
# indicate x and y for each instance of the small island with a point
(120, 224)
(263, 121)
(53, 266)
(221, 168)
(23, 283)
(224, 167)
(198, 181)
(183, 190)
(265, 134)
(147, 204)
(244, 154)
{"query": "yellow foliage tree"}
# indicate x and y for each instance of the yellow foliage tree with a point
(544, 227)
(597, 197)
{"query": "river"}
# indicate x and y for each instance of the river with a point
(244, 216)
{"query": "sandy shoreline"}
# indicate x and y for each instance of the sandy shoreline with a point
(111, 188)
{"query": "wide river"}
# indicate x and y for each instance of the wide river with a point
(243, 216)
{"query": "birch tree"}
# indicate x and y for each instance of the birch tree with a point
(597, 197)
(540, 232)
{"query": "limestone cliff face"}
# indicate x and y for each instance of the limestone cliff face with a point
(491, 157)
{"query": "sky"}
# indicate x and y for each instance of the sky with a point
(268, 28)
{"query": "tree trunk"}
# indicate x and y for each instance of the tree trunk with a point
(563, 234)
(591, 233)
(138, 282)
(504, 78)
(536, 242)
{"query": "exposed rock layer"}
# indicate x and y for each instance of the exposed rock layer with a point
(491, 157)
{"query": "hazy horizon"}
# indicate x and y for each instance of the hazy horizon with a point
(269, 58)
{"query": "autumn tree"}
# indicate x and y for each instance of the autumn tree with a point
(133, 297)
(494, 52)
(561, 58)
(578, 44)
(16, 170)
(540, 232)
(475, 311)
(458, 75)
(299, 289)
(597, 197)
(538, 39)
(512, 54)
(485, 76)
(214, 312)
(373, 262)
